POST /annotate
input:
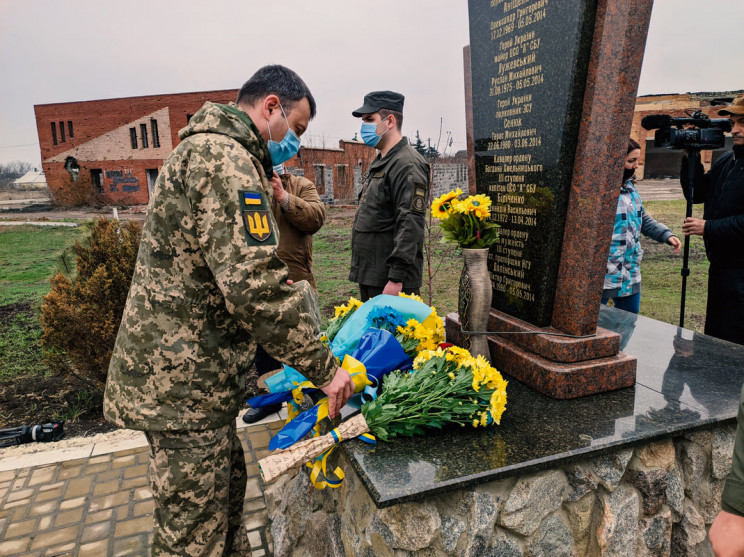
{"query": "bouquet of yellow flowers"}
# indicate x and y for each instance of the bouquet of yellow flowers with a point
(446, 386)
(465, 221)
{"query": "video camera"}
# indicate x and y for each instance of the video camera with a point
(52, 431)
(671, 133)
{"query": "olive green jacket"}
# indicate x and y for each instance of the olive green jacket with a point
(388, 234)
(732, 499)
(208, 286)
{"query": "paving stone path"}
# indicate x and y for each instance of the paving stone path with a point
(101, 505)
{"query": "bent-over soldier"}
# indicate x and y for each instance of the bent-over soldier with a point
(208, 287)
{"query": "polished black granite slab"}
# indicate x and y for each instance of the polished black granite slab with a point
(685, 381)
(529, 64)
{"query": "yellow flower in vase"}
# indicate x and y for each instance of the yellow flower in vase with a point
(442, 206)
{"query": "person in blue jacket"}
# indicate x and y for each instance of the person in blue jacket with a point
(622, 283)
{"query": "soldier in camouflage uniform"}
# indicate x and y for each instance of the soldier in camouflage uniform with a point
(388, 234)
(208, 286)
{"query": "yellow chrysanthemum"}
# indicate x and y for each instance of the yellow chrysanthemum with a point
(423, 357)
(475, 423)
(457, 354)
(412, 297)
(497, 403)
(352, 304)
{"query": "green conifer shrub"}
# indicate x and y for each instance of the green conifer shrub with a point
(81, 314)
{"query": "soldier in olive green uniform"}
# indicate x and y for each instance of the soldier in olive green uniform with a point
(208, 286)
(388, 235)
(727, 531)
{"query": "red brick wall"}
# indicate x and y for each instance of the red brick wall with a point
(92, 119)
(349, 153)
(124, 181)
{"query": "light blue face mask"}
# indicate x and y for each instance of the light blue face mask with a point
(287, 148)
(369, 133)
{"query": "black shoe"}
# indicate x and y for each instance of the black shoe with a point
(252, 415)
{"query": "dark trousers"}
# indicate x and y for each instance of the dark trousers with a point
(724, 316)
(264, 362)
(366, 292)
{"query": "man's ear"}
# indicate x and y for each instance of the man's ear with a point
(270, 104)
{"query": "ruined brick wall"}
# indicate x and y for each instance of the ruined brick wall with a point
(336, 172)
(96, 135)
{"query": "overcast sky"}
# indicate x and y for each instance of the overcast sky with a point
(70, 50)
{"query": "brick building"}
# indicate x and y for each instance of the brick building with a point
(113, 147)
(658, 162)
(336, 172)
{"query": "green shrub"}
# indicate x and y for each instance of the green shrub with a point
(81, 315)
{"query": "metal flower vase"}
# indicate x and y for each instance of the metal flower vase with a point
(474, 301)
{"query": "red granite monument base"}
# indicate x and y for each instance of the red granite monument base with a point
(560, 367)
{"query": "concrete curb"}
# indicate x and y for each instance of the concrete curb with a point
(106, 446)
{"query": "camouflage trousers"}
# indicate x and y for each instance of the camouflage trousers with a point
(198, 481)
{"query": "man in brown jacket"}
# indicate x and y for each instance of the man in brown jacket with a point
(299, 213)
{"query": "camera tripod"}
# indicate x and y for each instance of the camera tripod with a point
(692, 158)
(12, 436)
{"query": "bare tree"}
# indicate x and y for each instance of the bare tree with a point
(433, 233)
(12, 171)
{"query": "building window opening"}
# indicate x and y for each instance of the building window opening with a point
(143, 133)
(69, 129)
(152, 177)
(54, 133)
(319, 176)
(133, 137)
(341, 175)
(62, 132)
(73, 168)
(96, 178)
(154, 130)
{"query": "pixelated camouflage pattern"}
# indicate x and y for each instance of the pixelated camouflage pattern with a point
(201, 298)
(198, 481)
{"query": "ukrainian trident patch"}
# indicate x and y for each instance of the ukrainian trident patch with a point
(257, 220)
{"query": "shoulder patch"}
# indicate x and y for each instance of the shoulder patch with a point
(257, 219)
(418, 202)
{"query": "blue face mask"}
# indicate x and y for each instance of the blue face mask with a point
(369, 133)
(287, 148)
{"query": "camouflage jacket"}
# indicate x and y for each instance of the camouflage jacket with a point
(208, 286)
(388, 234)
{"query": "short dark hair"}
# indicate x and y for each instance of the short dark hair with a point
(385, 112)
(632, 145)
(280, 81)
